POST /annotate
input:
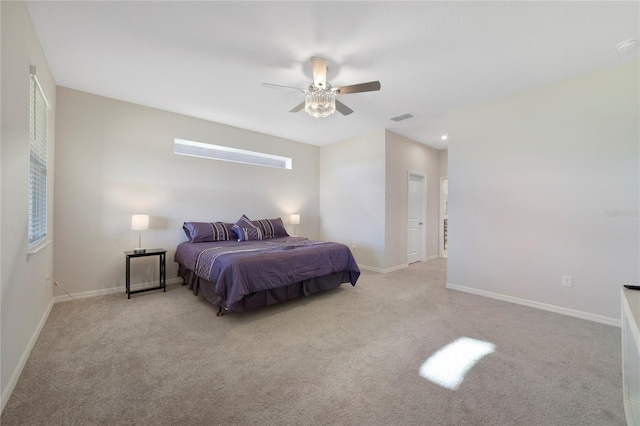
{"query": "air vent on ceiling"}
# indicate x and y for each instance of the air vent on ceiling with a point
(401, 117)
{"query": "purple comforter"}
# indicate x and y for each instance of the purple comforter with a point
(240, 268)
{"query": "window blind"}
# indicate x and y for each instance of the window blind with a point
(38, 163)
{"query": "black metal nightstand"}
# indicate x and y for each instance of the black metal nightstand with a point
(152, 252)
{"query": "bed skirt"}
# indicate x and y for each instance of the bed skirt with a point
(205, 289)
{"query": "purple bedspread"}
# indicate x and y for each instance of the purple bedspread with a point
(240, 268)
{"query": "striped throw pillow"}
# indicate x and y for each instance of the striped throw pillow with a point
(246, 230)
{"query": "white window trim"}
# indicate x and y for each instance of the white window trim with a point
(41, 243)
(225, 153)
(37, 246)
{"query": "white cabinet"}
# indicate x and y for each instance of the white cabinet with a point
(631, 355)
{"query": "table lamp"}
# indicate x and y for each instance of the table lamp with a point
(139, 222)
(295, 220)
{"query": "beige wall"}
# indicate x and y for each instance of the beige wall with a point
(26, 294)
(443, 161)
(352, 196)
(533, 177)
(115, 159)
(404, 155)
(363, 196)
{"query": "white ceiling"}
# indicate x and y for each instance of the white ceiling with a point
(207, 59)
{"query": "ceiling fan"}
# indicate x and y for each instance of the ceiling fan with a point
(320, 100)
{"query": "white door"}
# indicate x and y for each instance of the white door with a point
(416, 237)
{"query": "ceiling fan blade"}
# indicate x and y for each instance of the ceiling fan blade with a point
(357, 88)
(279, 86)
(299, 107)
(342, 108)
(319, 67)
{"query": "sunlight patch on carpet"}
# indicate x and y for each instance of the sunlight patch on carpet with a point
(448, 366)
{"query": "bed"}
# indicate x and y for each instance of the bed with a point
(244, 275)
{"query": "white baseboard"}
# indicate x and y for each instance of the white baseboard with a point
(105, 291)
(8, 390)
(434, 257)
(538, 305)
(383, 271)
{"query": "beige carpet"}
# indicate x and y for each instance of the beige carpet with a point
(351, 356)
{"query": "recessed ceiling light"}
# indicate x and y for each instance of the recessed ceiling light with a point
(623, 46)
(444, 137)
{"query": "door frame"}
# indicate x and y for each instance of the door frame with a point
(423, 215)
(441, 217)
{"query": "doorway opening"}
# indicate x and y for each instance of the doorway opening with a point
(444, 222)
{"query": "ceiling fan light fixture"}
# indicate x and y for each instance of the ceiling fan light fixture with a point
(320, 103)
(627, 45)
(320, 98)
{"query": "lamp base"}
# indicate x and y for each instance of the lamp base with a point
(139, 250)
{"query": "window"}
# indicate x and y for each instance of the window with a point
(38, 107)
(225, 153)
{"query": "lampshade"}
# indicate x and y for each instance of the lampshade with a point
(320, 103)
(139, 222)
(294, 219)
